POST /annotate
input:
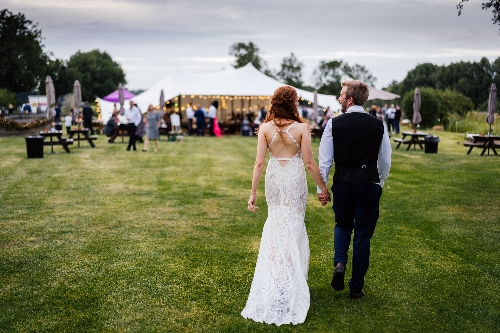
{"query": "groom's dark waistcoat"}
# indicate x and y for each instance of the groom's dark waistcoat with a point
(356, 139)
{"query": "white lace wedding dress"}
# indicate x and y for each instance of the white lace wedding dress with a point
(279, 293)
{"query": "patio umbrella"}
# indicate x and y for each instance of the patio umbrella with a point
(492, 105)
(315, 107)
(77, 97)
(417, 118)
(121, 99)
(51, 96)
(162, 104)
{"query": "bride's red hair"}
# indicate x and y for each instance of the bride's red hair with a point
(284, 107)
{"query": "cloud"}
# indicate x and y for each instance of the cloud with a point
(151, 37)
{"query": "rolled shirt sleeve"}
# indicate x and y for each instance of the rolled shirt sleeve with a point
(326, 153)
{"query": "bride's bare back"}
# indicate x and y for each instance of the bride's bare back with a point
(280, 144)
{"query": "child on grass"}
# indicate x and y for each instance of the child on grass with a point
(67, 121)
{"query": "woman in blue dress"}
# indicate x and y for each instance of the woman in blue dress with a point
(152, 127)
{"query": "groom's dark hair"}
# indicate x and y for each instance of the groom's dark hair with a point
(357, 90)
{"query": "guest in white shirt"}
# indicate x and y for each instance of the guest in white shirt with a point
(359, 145)
(190, 116)
(391, 113)
(134, 117)
(212, 114)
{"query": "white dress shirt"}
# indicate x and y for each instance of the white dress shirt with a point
(189, 112)
(326, 151)
(212, 111)
(133, 115)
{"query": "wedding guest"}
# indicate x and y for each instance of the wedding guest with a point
(263, 114)
(87, 117)
(391, 113)
(11, 109)
(133, 115)
(212, 113)
(27, 107)
(67, 122)
(153, 121)
(190, 116)
(58, 113)
(397, 119)
(246, 130)
(111, 128)
(140, 127)
(200, 121)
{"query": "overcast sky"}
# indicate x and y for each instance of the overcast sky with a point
(149, 38)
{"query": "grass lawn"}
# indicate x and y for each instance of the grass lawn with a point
(105, 240)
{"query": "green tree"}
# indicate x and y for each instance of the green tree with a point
(327, 77)
(491, 4)
(359, 72)
(21, 52)
(245, 53)
(394, 87)
(97, 72)
(291, 71)
(473, 79)
(423, 75)
(454, 103)
(430, 106)
(58, 71)
(6, 98)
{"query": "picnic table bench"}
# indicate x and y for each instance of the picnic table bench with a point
(414, 139)
(64, 142)
(401, 141)
(86, 137)
(486, 142)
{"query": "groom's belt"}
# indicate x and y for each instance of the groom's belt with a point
(359, 174)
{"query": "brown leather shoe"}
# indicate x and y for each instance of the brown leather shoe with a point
(338, 277)
(357, 295)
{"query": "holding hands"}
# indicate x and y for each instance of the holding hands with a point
(324, 198)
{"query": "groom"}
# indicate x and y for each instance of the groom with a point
(359, 144)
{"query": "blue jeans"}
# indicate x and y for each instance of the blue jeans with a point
(395, 125)
(356, 207)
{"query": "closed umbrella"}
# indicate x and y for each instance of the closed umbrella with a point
(51, 96)
(121, 99)
(315, 107)
(162, 104)
(417, 118)
(492, 105)
(77, 97)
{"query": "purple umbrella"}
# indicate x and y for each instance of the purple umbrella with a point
(492, 105)
(417, 118)
(121, 99)
(113, 97)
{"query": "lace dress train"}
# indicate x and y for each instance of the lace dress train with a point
(279, 293)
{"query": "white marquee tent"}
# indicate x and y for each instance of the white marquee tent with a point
(381, 94)
(244, 81)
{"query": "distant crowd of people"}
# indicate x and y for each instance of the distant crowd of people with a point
(390, 115)
(149, 123)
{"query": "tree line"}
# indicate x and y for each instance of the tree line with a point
(24, 63)
(327, 76)
(472, 79)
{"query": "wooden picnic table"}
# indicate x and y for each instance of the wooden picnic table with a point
(486, 142)
(414, 139)
(60, 140)
(86, 136)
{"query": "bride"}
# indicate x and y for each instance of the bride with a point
(279, 293)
